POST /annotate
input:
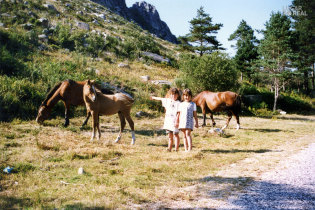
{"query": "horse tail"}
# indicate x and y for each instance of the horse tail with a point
(126, 98)
(51, 93)
(238, 103)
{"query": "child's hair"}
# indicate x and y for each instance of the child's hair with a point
(188, 92)
(174, 91)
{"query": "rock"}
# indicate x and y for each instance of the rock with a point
(148, 18)
(156, 57)
(43, 37)
(161, 82)
(145, 78)
(81, 171)
(79, 13)
(95, 22)
(123, 65)
(45, 31)
(141, 114)
(50, 7)
(44, 22)
(42, 47)
(83, 26)
(2, 25)
(144, 14)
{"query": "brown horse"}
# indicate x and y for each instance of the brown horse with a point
(70, 92)
(217, 102)
(98, 103)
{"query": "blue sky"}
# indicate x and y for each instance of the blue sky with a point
(178, 13)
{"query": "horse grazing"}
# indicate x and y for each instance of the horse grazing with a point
(217, 102)
(98, 103)
(70, 92)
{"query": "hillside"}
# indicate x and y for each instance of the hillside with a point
(45, 42)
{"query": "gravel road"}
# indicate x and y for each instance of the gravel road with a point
(291, 185)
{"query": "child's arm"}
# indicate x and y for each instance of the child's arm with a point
(156, 98)
(177, 120)
(196, 119)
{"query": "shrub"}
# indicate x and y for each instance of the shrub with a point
(214, 72)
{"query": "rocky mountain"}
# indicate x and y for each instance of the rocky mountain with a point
(143, 14)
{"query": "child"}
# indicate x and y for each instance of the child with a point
(185, 122)
(171, 106)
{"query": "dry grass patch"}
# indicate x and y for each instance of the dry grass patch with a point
(47, 159)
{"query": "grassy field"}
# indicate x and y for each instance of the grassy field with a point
(46, 160)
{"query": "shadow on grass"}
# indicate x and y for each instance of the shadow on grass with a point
(150, 132)
(264, 130)
(236, 151)
(7, 202)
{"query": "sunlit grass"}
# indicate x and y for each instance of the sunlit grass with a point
(47, 159)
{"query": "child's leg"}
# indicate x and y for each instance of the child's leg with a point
(189, 139)
(170, 141)
(185, 140)
(176, 141)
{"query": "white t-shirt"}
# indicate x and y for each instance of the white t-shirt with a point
(171, 108)
(186, 118)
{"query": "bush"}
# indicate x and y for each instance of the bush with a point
(19, 98)
(214, 72)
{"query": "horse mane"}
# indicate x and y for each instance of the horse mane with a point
(51, 93)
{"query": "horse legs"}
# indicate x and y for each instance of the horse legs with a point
(86, 120)
(66, 114)
(95, 123)
(122, 126)
(203, 109)
(238, 126)
(132, 127)
(212, 119)
(228, 120)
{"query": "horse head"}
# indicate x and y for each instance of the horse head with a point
(89, 90)
(43, 114)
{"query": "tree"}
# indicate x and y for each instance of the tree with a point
(302, 11)
(276, 49)
(247, 50)
(214, 72)
(201, 31)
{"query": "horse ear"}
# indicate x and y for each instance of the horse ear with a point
(88, 82)
(92, 81)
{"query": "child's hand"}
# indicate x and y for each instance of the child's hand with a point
(151, 98)
(196, 125)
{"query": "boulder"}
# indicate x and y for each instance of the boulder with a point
(83, 26)
(124, 65)
(145, 78)
(156, 57)
(161, 82)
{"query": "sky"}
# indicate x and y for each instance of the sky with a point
(177, 14)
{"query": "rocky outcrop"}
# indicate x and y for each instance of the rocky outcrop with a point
(144, 14)
(117, 6)
(148, 18)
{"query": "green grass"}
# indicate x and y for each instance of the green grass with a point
(47, 159)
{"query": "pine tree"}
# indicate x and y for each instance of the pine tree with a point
(302, 11)
(247, 50)
(276, 49)
(201, 31)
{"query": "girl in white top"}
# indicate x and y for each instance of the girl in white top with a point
(185, 119)
(171, 105)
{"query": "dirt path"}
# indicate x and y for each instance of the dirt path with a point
(281, 179)
(291, 185)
